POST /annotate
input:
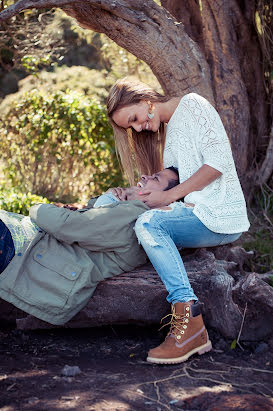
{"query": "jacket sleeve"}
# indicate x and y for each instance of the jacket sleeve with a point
(103, 229)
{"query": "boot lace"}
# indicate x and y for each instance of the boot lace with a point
(176, 323)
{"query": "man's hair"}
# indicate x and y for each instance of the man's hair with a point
(172, 182)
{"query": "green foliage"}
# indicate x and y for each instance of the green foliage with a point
(59, 146)
(17, 202)
(233, 344)
(90, 82)
(260, 235)
(261, 242)
(34, 64)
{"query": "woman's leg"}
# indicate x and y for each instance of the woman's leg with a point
(160, 232)
(7, 249)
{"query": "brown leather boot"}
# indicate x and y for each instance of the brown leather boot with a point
(187, 336)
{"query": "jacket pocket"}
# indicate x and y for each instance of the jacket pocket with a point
(69, 270)
(48, 280)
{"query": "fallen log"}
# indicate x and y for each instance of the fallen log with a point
(139, 297)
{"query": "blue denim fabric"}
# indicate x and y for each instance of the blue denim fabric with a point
(160, 232)
(7, 249)
(106, 198)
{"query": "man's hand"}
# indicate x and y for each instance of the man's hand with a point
(68, 206)
(118, 192)
(126, 194)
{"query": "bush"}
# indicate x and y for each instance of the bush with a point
(59, 146)
(261, 242)
(94, 84)
(16, 202)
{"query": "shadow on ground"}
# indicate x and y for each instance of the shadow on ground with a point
(115, 376)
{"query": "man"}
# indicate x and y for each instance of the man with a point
(52, 261)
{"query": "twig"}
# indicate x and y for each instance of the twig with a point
(239, 335)
(242, 368)
(267, 218)
(149, 398)
(157, 390)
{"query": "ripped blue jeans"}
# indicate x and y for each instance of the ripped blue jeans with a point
(7, 249)
(160, 232)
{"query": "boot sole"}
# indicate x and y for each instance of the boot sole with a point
(200, 350)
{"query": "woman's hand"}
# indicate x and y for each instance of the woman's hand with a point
(155, 199)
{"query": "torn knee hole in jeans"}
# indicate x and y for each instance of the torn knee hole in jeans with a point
(143, 224)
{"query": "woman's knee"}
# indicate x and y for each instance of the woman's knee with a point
(142, 224)
(150, 219)
(148, 226)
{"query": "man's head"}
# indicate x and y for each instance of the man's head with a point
(161, 181)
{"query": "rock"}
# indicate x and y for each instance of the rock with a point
(254, 294)
(261, 348)
(234, 254)
(32, 400)
(139, 297)
(70, 371)
(221, 345)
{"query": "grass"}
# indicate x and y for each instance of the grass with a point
(261, 243)
(259, 238)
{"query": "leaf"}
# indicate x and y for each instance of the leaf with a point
(233, 344)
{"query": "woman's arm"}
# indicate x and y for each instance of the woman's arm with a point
(203, 177)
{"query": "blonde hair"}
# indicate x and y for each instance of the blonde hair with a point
(139, 152)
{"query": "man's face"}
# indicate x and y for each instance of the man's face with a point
(158, 181)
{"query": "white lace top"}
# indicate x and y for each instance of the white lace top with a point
(196, 136)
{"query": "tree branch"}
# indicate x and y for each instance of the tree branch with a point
(31, 4)
(146, 30)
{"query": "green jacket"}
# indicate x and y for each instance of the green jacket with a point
(56, 273)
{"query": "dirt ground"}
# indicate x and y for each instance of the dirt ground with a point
(115, 376)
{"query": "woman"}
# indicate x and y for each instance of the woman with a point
(186, 133)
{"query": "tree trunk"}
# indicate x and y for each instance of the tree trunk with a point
(139, 297)
(226, 33)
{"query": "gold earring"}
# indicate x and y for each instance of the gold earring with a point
(151, 110)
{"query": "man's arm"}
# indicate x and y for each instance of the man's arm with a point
(126, 194)
(106, 228)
